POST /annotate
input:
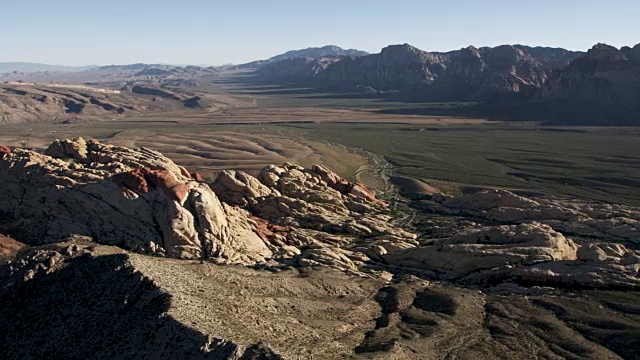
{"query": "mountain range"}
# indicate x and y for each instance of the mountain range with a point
(514, 82)
(463, 75)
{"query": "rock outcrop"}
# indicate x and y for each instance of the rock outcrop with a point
(142, 201)
(543, 241)
(288, 215)
(315, 198)
(317, 216)
(137, 199)
(604, 222)
(501, 277)
(489, 248)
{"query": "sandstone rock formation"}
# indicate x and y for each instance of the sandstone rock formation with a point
(317, 215)
(142, 201)
(288, 215)
(489, 248)
(608, 222)
(538, 249)
(499, 289)
(598, 265)
(137, 199)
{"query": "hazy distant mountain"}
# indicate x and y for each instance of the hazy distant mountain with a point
(313, 53)
(26, 67)
(119, 75)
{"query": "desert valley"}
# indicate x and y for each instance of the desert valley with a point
(324, 204)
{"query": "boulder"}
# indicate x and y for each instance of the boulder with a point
(236, 186)
(69, 148)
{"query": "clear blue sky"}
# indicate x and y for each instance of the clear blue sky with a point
(81, 32)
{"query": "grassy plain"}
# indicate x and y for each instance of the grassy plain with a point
(249, 126)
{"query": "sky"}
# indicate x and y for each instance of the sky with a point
(85, 32)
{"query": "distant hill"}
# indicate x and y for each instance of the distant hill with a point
(26, 67)
(312, 52)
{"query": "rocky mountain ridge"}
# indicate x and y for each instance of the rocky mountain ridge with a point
(466, 74)
(509, 82)
(602, 84)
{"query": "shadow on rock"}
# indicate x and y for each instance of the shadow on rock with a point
(101, 308)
